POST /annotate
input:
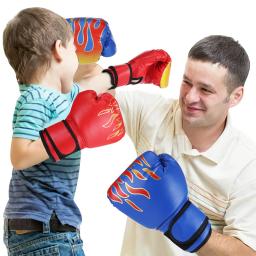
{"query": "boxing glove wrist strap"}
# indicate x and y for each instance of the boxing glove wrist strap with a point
(196, 231)
(59, 140)
(122, 75)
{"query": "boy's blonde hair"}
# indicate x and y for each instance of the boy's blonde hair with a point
(28, 41)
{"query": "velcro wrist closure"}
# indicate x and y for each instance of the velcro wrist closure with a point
(190, 229)
(120, 75)
(59, 140)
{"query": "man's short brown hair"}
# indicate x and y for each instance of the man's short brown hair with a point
(228, 53)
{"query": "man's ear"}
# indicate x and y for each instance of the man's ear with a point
(236, 96)
(57, 50)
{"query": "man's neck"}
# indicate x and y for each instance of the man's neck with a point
(203, 138)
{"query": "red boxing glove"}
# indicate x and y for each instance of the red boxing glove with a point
(93, 121)
(149, 67)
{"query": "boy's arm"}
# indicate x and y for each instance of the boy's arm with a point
(26, 153)
(97, 123)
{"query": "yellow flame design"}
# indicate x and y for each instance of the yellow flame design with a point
(114, 120)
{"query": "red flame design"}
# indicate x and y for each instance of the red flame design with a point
(131, 173)
(96, 32)
(137, 191)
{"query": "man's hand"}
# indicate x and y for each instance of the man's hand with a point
(149, 67)
(153, 192)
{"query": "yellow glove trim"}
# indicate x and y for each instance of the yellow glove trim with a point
(165, 77)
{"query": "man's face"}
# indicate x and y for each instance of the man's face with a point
(204, 99)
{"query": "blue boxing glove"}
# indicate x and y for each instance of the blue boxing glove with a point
(92, 38)
(153, 192)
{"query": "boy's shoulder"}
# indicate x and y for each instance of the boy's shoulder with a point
(38, 93)
(43, 99)
(35, 93)
(36, 98)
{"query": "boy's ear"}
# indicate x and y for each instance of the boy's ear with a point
(57, 50)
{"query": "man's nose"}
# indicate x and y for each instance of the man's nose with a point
(193, 95)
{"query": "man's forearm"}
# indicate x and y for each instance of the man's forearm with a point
(90, 77)
(87, 70)
(99, 83)
(222, 245)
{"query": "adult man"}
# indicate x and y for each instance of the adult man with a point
(218, 161)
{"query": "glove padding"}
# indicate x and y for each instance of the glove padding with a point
(153, 192)
(93, 121)
(149, 67)
(92, 38)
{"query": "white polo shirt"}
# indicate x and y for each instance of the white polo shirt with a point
(221, 181)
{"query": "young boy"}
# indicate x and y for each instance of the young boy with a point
(41, 216)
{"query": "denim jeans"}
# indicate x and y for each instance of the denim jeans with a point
(43, 244)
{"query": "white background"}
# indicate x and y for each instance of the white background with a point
(137, 26)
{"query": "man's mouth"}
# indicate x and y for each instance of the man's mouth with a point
(194, 109)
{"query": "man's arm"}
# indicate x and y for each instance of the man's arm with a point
(26, 153)
(222, 245)
(150, 67)
(90, 77)
(153, 192)
(87, 70)
(174, 215)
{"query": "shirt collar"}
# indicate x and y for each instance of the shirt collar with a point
(216, 152)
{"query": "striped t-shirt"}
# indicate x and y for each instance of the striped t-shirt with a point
(47, 187)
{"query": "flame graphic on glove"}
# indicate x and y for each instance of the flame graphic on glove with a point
(116, 192)
(115, 120)
(87, 38)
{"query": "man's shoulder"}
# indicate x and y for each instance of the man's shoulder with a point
(243, 159)
(247, 142)
(245, 145)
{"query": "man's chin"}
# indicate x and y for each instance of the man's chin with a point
(192, 121)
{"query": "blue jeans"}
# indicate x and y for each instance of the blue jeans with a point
(43, 244)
